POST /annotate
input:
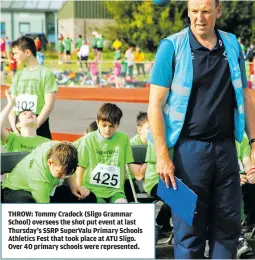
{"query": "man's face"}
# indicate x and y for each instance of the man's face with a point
(203, 15)
(20, 56)
(27, 118)
(107, 129)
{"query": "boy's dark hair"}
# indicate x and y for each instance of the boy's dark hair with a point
(17, 116)
(141, 118)
(25, 43)
(109, 113)
(64, 154)
(92, 127)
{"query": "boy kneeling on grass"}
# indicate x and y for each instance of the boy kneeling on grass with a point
(39, 177)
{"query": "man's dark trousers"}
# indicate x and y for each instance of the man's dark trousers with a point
(211, 170)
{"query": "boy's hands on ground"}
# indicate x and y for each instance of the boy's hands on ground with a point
(80, 192)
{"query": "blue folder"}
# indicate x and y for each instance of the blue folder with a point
(182, 201)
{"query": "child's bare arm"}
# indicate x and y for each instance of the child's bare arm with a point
(79, 175)
(4, 115)
(138, 170)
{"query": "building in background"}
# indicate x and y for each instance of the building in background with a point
(83, 17)
(28, 17)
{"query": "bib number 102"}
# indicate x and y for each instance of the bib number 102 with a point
(24, 105)
(106, 179)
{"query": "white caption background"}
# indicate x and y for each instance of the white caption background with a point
(78, 231)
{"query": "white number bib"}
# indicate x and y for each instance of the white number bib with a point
(106, 175)
(26, 102)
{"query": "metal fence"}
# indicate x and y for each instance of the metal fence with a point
(78, 73)
(116, 74)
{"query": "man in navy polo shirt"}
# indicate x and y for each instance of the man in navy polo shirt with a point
(199, 104)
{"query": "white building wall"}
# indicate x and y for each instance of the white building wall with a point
(6, 18)
(36, 21)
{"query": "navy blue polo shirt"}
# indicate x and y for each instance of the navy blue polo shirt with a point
(210, 113)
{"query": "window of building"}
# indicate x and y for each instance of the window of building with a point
(2, 29)
(24, 28)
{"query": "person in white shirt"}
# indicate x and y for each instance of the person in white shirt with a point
(83, 54)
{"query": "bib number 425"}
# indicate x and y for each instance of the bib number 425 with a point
(106, 175)
(106, 179)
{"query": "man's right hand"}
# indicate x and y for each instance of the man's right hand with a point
(165, 169)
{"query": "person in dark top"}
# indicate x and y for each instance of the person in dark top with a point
(198, 105)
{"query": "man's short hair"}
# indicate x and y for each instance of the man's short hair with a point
(141, 118)
(25, 43)
(64, 154)
(109, 113)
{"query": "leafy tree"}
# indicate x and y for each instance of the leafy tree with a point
(143, 23)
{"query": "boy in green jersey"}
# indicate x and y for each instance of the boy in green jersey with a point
(150, 185)
(34, 87)
(39, 177)
(103, 155)
(26, 123)
(247, 177)
(139, 139)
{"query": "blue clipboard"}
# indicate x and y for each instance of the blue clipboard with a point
(182, 201)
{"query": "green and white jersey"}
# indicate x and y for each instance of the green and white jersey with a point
(243, 149)
(104, 161)
(136, 140)
(32, 174)
(68, 44)
(18, 143)
(30, 86)
(78, 43)
(151, 177)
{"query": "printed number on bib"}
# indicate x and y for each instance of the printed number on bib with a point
(26, 102)
(106, 175)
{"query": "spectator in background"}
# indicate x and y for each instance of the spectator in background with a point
(8, 46)
(3, 47)
(117, 44)
(129, 55)
(83, 54)
(61, 37)
(60, 49)
(94, 43)
(68, 48)
(251, 57)
(38, 44)
(13, 64)
(94, 74)
(78, 43)
(100, 46)
(139, 59)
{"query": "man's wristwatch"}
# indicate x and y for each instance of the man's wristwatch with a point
(252, 141)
